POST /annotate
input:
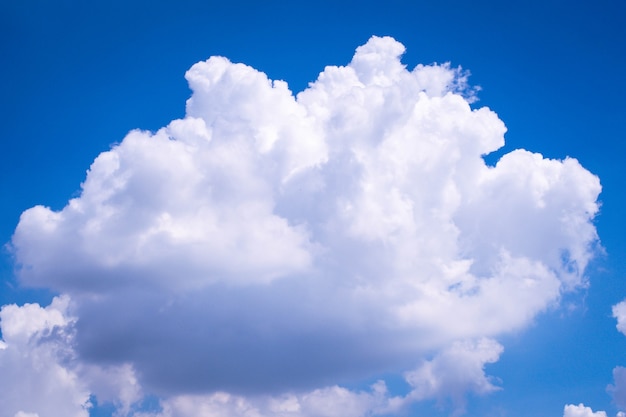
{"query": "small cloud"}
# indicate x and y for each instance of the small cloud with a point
(619, 312)
(454, 372)
(580, 410)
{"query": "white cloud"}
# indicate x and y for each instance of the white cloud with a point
(327, 402)
(268, 244)
(41, 374)
(581, 411)
(34, 377)
(618, 390)
(116, 385)
(619, 312)
(454, 372)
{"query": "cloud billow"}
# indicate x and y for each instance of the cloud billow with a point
(271, 243)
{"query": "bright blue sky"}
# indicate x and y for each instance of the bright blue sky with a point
(77, 76)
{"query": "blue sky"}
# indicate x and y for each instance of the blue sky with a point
(77, 77)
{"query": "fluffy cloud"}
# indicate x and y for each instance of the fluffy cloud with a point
(41, 372)
(618, 388)
(454, 372)
(327, 402)
(269, 243)
(581, 411)
(619, 312)
(35, 359)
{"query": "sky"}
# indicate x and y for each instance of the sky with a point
(312, 209)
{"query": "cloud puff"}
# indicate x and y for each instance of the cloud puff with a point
(618, 388)
(34, 352)
(327, 402)
(619, 312)
(41, 372)
(581, 411)
(454, 372)
(271, 243)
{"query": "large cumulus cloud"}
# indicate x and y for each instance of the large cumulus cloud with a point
(271, 243)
